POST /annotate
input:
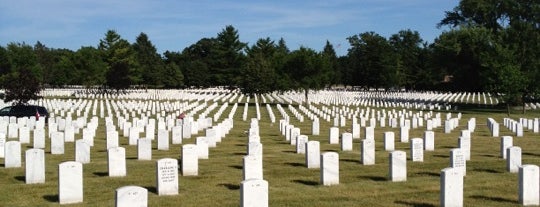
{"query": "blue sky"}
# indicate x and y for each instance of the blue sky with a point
(175, 24)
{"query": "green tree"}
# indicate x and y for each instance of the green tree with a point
(23, 81)
(150, 63)
(229, 57)
(90, 67)
(173, 77)
(307, 70)
(407, 46)
(331, 61)
(258, 75)
(120, 58)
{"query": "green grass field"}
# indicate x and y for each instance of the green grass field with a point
(290, 183)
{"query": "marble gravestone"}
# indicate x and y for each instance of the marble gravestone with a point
(190, 160)
(167, 176)
(254, 193)
(451, 187)
(35, 166)
(70, 182)
(144, 149)
(12, 154)
(329, 168)
(398, 166)
(131, 196)
(529, 187)
(313, 153)
(116, 157)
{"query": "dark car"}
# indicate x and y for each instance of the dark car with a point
(25, 111)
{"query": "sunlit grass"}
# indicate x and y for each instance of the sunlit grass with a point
(290, 183)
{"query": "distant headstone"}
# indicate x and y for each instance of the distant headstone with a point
(202, 147)
(2, 146)
(57, 143)
(458, 161)
(389, 140)
(417, 150)
(529, 187)
(334, 135)
(190, 162)
(295, 132)
(39, 138)
(465, 144)
(24, 135)
(398, 166)
(329, 168)
(429, 140)
(70, 182)
(254, 193)
(368, 152)
(167, 176)
(301, 143)
(404, 134)
(313, 153)
(253, 167)
(370, 133)
(133, 135)
(315, 127)
(82, 151)
(144, 149)
(506, 142)
(356, 131)
(112, 139)
(346, 142)
(35, 166)
(163, 139)
(117, 161)
(131, 196)
(177, 135)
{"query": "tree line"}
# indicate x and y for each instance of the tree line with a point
(490, 45)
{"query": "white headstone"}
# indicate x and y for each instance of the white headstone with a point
(131, 196)
(70, 182)
(254, 193)
(313, 154)
(82, 151)
(163, 139)
(465, 145)
(404, 134)
(301, 143)
(513, 159)
(329, 168)
(370, 133)
(457, 160)
(417, 150)
(253, 167)
(368, 152)
(295, 132)
(69, 133)
(112, 139)
(35, 166)
(57, 143)
(429, 140)
(2, 146)
(202, 146)
(529, 187)
(24, 135)
(117, 161)
(190, 162)
(389, 141)
(177, 135)
(356, 131)
(144, 149)
(451, 192)
(398, 166)
(346, 142)
(315, 127)
(506, 142)
(334, 135)
(167, 176)
(39, 138)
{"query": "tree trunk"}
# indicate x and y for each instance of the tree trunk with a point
(507, 109)
(523, 109)
(306, 92)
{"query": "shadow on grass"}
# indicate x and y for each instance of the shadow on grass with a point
(306, 182)
(350, 160)
(239, 153)
(51, 198)
(428, 174)
(415, 204)
(295, 164)
(486, 170)
(443, 156)
(2, 165)
(101, 174)
(289, 151)
(21, 178)
(131, 158)
(531, 154)
(498, 199)
(230, 186)
(239, 167)
(241, 145)
(449, 147)
(151, 189)
(374, 178)
(487, 155)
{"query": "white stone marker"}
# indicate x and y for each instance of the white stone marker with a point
(144, 149)
(35, 166)
(167, 176)
(447, 126)
(457, 160)
(495, 130)
(451, 191)
(190, 160)
(356, 130)
(12, 154)
(2, 146)
(315, 127)
(24, 135)
(465, 144)
(134, 135)
(186, 129)
(116, 157)
(506, 142)
(346, 142)
(389, 141)
(211, 137)
(202, 147)
(163, 139)
(253, 167)
(417, 150)
(57, 143)
(313, 154)
(82, 151)
(329, 168)
(513, 159)
(529, 187)
(334, 135)
(131, 196)
(295, 132)
(429, 140)
(69, 133)
(368, 152)
(254, 193)
(177, 135)
(39, 138)
(404, 134)
(112, 139)
(70, 182)
(301, 144)
(13, 130)
(398, 166)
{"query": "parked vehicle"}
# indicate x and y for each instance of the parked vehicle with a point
(39, 112)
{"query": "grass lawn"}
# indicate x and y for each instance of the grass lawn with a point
(290, 183)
